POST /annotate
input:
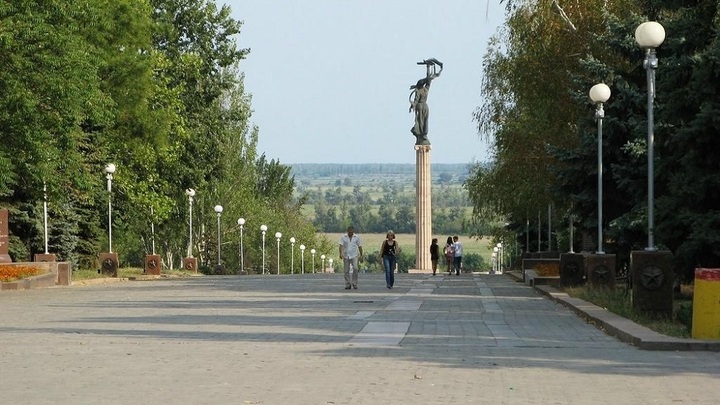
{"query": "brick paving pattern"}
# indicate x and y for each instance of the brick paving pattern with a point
(303, 339)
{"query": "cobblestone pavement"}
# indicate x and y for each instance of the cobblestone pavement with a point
(304, 339)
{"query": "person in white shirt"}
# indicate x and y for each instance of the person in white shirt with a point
(457, 250)
(351, 253)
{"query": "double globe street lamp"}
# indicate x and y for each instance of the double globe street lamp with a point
(292, 255)
(218, 210)
(650, 35)
(109, 171)
(302, 259)
(312, 252)
(263, 229)
(599, 94)
(241, 223)
(278, 235)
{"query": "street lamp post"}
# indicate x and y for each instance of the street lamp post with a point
(302, 259)
(109, 170)
(322, 258)
(190, 193)
(278, 235)
(45, 216)
(330, 263)
(292, 255)
(599, 94)
(241, 222)
(312, 252)
(263, 229)
(219, 210)
(495, 256)
(501, 253)
(650, 35)
(493, 261)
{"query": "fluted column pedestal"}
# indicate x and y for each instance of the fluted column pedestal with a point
(423, 233)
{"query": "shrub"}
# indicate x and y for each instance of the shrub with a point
(12, 273)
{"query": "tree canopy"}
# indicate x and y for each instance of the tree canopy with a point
(155, 87)
(537, 113)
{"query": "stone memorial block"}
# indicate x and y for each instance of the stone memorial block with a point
(45, 257)
(153, 264)
(4, 237)
(572, 269)
(600, 270)
(190, 264)
(64, 273)
(109, 264)
(652, 281)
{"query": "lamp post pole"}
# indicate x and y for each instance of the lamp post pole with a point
(241, 222)
(263, 229)
(278, 235)
(190, 193)
(109, 170)
(650, 35)
(302, 259)
(292, 255)
(219, 210)
(312, 252)
(600, 93)
(45, 215)
(330, 263)
(322, 258)
(495, 255)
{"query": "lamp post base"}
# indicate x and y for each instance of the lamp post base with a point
(153, 265)
(45, 257)
(109, 264)
(190, 264)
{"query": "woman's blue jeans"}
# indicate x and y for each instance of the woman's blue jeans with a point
(389, 263)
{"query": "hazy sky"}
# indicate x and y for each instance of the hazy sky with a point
(330, 78)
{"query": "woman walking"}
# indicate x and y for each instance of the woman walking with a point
(388, 252)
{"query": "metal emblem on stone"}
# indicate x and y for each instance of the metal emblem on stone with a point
(572, 269)
(652, 278)
(601, 275)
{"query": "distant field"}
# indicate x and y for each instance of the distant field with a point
(372, 241)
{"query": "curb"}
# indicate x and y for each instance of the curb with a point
(624, 329)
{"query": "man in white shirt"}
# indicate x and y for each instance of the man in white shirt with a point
(351, 253)
(457, 260)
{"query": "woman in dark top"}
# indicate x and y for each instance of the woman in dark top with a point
(449, 254)
(388, 250)
(434, 254)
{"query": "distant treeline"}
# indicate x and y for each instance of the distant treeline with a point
(342, 169)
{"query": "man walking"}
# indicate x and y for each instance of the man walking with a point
(351, 253)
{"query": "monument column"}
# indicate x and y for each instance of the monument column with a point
(423, 194)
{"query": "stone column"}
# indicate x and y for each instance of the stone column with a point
(4, 237)
(423, 233)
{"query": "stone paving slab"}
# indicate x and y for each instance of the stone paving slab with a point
(303, 339)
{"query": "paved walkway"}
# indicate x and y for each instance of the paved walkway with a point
(307, 340)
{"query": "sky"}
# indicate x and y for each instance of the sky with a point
(330, 79)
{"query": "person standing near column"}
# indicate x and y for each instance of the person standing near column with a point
(351, 253)
(457, 249)
(449, 254)
(434, 254)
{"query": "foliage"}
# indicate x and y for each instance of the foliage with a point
(155, 87)
(618, 302)
(536, 111)
(12, 273)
